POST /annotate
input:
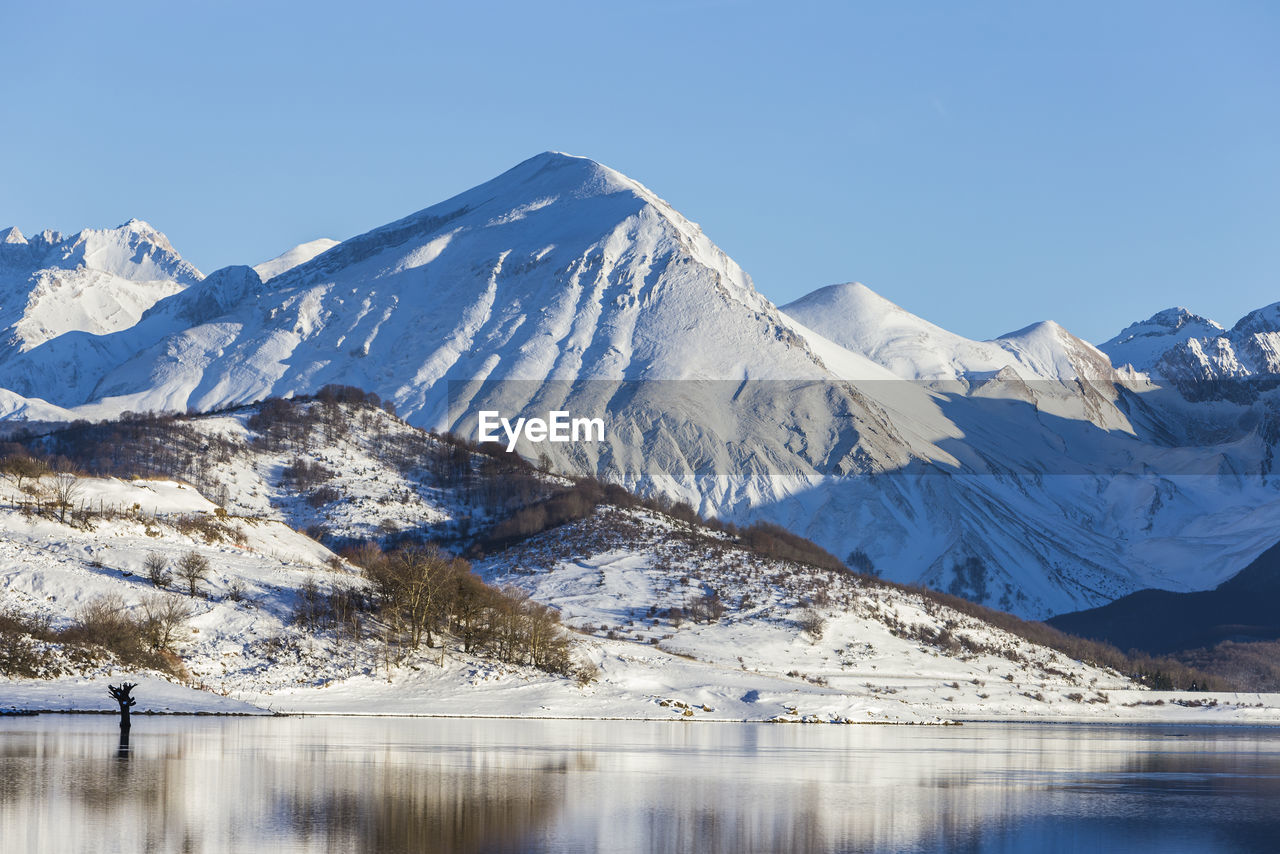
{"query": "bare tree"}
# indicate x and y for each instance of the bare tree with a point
(66, 489)
(21, 467)
(157, 569)
(193, 567)
(163, 615)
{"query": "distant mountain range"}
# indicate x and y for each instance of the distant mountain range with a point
(1241, 609)
(1033, 472)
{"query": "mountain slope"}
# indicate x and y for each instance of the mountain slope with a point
(1242, 608)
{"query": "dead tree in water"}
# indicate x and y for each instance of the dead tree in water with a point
(121, 695)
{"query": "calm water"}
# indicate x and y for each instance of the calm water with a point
(399, 785)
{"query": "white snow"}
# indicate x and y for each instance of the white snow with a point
(290, 258)
(754, 662)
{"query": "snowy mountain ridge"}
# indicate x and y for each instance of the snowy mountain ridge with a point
(96, 281)
(1026, 471)
(860, 320)
(1141, 344)
(291, 258)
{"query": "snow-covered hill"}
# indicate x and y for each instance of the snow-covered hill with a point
(672, 621)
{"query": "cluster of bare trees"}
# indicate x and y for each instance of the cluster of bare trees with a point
(303, 475)
(191, 568)
(133, 445)
(141, 636)
(331, 412)
(46, 491)
(340, 610)
(422, 593)
(706, 608)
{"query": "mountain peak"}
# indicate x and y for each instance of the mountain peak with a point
(555, 174)
(1265, 319)
(1039, 329)
(1142, 344)
(1052, 350)
(536, 211)
(559, 160)
(12, 235)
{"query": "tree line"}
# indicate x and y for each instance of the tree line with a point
(422, 593)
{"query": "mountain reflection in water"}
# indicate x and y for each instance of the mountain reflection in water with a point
(393, 785)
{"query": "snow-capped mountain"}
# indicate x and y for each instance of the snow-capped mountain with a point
(1042, 364)
(1025, 471)
(858, 319)
(1142, 344)
(1202, 360)
(97, 281)
(1212, 367)
(560, 271)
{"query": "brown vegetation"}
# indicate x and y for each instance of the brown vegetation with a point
(1252, 666)
(423, 592)
(103, 628)
(1161, 673)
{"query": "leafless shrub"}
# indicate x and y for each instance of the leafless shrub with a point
(65, 488)
(811, 623)
(163, 615)
(22, 653)
(193, 568)
(157, 569)
(586, 672)
(210, 528)
(106, 622)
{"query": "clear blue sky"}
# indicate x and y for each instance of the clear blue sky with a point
(984, 165)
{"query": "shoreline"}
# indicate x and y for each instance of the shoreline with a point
(1012, 721)
(534, 699)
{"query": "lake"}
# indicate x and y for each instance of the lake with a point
(387, 785)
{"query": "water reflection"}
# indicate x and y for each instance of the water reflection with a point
(402, 785)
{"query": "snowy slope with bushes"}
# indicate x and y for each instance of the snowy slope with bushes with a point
(667, 617)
